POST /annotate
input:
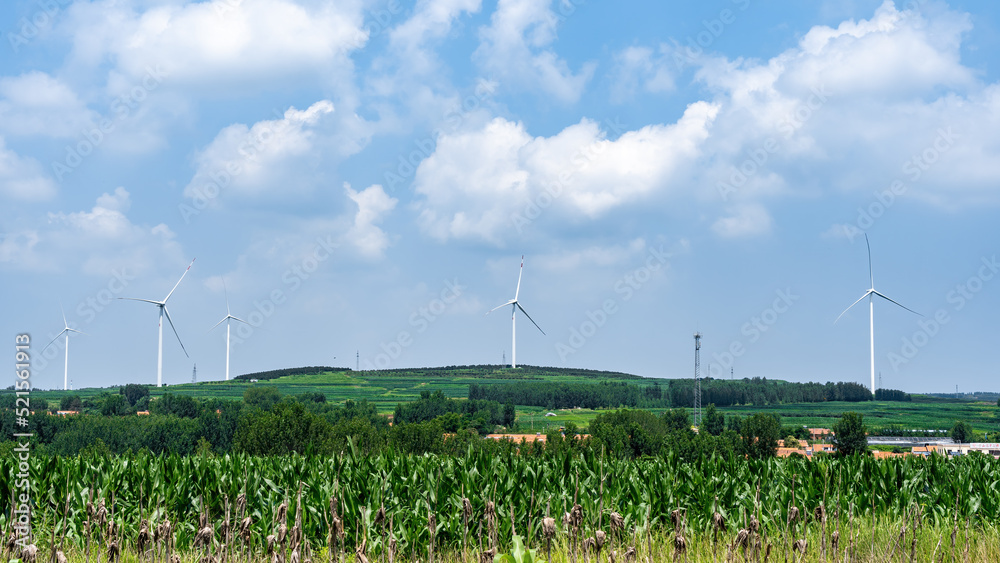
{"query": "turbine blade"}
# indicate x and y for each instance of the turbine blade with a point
(169, 320)
(519, 272)
(227, 295)
(896, 302)
(143, 300)
(53, 340)
(65, 324)
(871, 276)
(238, 319)
(512, 301)
(179, 281)
(529, 318)
(867, 293)
(74, 330)
(217, 324)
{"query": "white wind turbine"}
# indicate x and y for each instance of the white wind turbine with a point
(870, 294)
(163, 312)
(229, 317)
(514, 306)
(66, 330)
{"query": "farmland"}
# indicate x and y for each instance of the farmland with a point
(386, 389)
(421, 506)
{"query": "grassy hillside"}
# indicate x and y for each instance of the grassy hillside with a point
(384, 388)
(387, 388)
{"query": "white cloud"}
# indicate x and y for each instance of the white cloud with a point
(221, 42)
(35, 103)
(373, 205)
(92, 242)
(272, 158)
(847, 111)
(22, 178)
(516, 48)
(483, 184)
(744, 220)
(640, 69)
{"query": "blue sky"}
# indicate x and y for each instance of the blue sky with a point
(365, 177)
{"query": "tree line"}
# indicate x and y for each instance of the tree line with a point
(674, 393)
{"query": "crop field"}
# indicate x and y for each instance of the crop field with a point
(385, 389)
(921, 413)
(405, 507)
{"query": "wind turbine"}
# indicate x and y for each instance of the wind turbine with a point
(870, 294)
(514, 306)
(66, 330)
(163, 312)
(229, 317)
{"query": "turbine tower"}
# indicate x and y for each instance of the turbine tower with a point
(697, 379)
(870, 294)
(163, 312)
(229, 317)
(514, 306)
(66, 330)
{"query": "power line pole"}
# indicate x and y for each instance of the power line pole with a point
(357, 360)
(697, 379)
(194, 374)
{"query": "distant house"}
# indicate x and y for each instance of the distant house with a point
(66, 413)
(253, 381)
(550, 414)
(142, 413)
(517, 437)
(817, 434)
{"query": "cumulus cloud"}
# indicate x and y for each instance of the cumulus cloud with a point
(482, 184)
(22, 178)
(93, 242)
(744, 220)
(277, 157)
(640, 69)
(221, 42)
(373, 205)
(852, 108)
(36, 103)
(516, 47)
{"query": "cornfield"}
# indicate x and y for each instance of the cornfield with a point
(571, 507)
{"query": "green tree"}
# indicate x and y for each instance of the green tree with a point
(263, 396)
(677, 419)
(961, 432)
(115, 405)
(70, 403)
(509, 415)
(760, 435)
(715, 421)
(850, 436)
(134, 392)
(791, 441)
